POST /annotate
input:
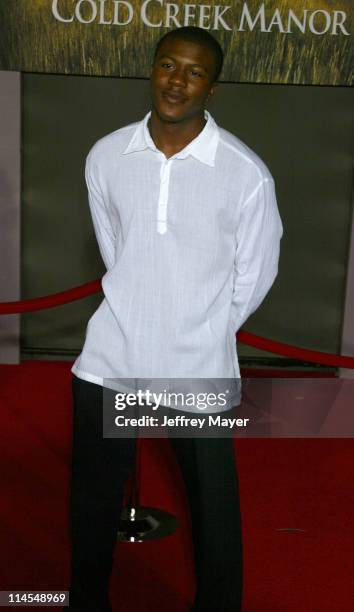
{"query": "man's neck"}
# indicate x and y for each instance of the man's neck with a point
(170, 138)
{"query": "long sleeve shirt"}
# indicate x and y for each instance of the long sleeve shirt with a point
(191, 247)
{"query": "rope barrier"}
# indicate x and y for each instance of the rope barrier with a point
(50, 301)
(294, 352)
(265, 344)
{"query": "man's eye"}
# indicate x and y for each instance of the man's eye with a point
(196, 73)
(166, 65)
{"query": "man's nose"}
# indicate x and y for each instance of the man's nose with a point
(178, 78)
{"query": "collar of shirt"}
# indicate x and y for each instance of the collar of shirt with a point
(203, 147)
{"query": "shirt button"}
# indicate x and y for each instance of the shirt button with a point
(161, 227)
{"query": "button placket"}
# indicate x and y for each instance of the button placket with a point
(163, 196)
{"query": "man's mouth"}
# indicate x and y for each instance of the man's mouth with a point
(173, 97)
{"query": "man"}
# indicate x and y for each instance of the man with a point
(187, 224)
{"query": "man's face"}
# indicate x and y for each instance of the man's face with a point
(181, 80)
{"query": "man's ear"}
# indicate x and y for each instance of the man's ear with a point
(212, 90)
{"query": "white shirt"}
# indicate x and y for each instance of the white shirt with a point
(191, 247)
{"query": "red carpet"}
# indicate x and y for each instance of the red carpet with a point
(306, 485)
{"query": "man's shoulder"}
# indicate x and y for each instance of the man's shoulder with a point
(243, 155)
(114, 142)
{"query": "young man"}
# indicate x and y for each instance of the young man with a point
(187, 224)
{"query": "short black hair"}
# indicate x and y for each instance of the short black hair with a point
(200, 37)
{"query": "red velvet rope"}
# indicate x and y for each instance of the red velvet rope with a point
(50, 301)
(265, 344)
(294, 352)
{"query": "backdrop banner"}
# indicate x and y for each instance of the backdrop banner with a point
(276, 41)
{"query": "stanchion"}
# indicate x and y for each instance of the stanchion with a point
(140, 524)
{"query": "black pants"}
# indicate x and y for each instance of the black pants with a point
(100, 467)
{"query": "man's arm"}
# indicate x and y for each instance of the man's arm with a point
(257, 252)
(101, 222)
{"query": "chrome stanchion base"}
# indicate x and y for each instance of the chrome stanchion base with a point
(142, 524)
